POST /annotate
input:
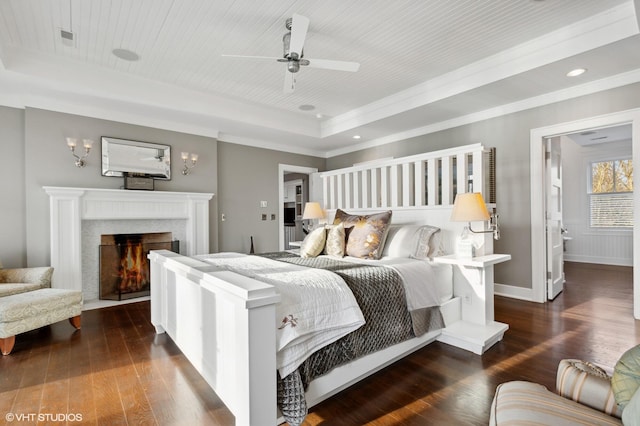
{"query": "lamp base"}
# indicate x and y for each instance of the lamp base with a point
(465, 249)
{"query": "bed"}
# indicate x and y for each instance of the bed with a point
(230, 324)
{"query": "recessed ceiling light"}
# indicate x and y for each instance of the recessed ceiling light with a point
(307, 107)
(356, 136)
(318, 115)
(576, 72)
(126, 54)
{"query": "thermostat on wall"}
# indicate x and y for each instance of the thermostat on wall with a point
(140, 183)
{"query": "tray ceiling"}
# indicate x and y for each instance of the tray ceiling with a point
(422, 63)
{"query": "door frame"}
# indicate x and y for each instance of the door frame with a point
(537, 172)
(282, 169)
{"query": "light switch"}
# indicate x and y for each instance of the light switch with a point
(264, 216)
(263, 204)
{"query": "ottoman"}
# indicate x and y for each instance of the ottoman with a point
(27, 311)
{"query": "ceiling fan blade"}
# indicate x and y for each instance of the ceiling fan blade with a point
(270, 58)
(299, 27)
(289, 82)
(328, 64)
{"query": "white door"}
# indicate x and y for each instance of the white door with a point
(555, 270)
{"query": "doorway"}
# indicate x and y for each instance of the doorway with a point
(283, 196)
(538, 214)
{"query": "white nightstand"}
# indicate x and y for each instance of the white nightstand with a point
(473, 283)
(295, 243)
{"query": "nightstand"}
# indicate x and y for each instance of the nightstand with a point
(473, 283)
(295, 244)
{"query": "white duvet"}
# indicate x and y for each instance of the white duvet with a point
(316, 308)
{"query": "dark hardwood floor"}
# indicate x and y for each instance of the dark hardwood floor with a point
(116, 371)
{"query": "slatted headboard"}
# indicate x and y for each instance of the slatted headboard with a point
(419, 188)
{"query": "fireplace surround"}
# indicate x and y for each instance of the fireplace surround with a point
(78, 216)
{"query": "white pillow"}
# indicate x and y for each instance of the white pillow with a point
(415, 241)
(401, 241)
(313, 243)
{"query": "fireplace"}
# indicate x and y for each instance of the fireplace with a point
(124, 268)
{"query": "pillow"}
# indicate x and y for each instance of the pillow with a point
(626, 376)
(336, 240)
(401, 240)
(428, 242)
(313, 243)
(631, 413)
(368, 233)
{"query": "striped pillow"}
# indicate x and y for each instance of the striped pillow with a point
(587, 384)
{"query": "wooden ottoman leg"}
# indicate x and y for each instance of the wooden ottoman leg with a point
(6, 344)
(76, 321)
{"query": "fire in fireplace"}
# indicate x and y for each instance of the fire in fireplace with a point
(124, 268)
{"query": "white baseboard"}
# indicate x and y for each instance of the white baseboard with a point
(513, 292)
(599, 260)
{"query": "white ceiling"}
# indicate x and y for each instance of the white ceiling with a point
(425, 64)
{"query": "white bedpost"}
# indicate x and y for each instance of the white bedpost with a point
(224, 323)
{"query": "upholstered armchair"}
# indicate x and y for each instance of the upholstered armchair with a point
(585, 395)
(27, 302)
(21, 280)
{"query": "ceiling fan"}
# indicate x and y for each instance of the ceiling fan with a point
(293, 44)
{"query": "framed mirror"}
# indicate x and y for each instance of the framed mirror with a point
(121, 157)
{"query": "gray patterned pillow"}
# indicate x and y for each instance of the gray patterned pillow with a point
(336, 240)
(428, 242)
(366, 233)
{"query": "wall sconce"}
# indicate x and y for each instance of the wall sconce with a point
(72, 143)
(194, 159)
(470, 207)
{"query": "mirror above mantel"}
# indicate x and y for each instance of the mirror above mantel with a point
(121, 157)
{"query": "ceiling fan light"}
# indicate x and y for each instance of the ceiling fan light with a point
(293, 66)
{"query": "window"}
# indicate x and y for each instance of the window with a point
(611, 196)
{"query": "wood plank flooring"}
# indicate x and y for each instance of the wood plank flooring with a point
(116, 371)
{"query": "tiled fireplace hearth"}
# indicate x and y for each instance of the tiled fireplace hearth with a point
(79, 216)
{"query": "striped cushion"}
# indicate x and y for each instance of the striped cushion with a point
(587, 384)
(526, 403)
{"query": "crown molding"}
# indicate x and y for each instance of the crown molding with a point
(607, 27)
(619, 80)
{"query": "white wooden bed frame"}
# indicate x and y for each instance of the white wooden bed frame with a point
(224, 323)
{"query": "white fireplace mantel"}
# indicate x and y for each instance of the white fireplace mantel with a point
(70, 206)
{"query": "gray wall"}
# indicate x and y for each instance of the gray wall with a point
(249, 175)
(13, 248)
(48, 162)
(510, 135)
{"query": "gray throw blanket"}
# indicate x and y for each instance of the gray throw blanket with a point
(381, 297)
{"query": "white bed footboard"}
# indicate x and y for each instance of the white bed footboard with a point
(224, 324)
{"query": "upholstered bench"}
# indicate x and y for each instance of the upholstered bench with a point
(29, 310)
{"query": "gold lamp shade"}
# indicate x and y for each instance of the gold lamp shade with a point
(469, 207)
(312, 210)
